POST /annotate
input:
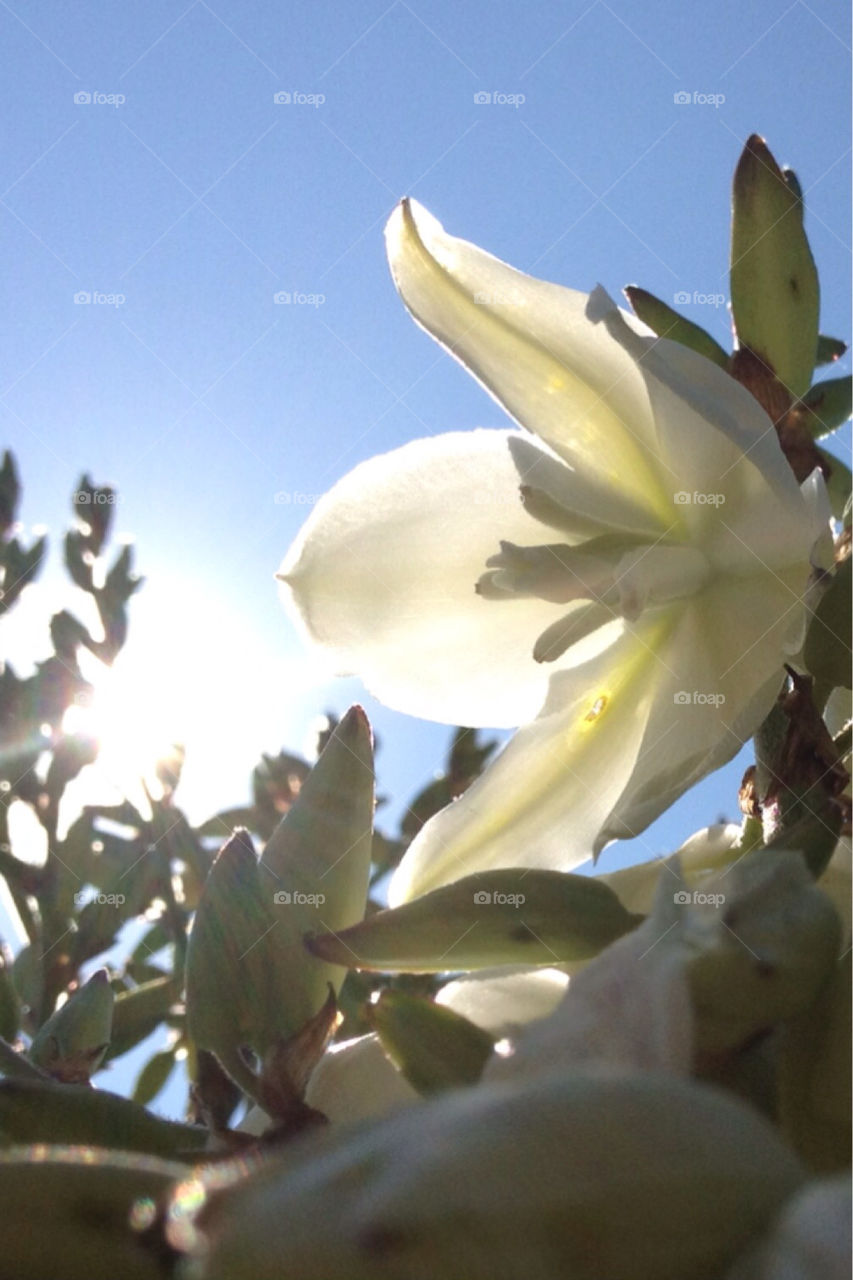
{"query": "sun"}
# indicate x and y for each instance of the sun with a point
(225, 703)
(134, 728)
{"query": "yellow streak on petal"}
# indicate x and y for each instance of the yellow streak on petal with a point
(553, 771)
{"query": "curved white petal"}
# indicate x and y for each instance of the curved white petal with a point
(619, 738)
(724, 424)
(717, 676)
(503, 1000)
(642, 420)
(542, 801)
(700, 858)
(628, 1009)
(533, 347)
(355, 1080)
(383, 576)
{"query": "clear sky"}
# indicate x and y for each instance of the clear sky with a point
(148, 165)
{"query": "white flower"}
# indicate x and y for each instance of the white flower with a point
(355, 1080)
(639, 559)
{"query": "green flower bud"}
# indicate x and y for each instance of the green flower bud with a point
(71, 1045)
(773, 276)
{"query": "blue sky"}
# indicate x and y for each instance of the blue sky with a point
(149, 166)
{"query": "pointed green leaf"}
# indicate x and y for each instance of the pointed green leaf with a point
(830, 403)
(235, 992)
(10, 1005)
(500, 917)
(72, 1043)
(79, 560)
(140, 1011)
(223, 824)
(827, 653)
(17, 1066)
(433, 1047)
(152, 941)
(829, 350)
(794, 186)
(774, 285)
(21, 565)
(28, 976)
(667, 323)
(153, 1077)
(250, 980)
(316, 864)
(10, 492)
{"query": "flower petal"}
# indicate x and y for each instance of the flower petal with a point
(716, 679)
(503, 1000)
(719, 444)
(628, 1008)
(534, 349)
(383, 576)
(700, 858)
(542, 801)
(355, 1080)
(619, 739)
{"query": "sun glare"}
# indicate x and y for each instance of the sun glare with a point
(225, 704)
